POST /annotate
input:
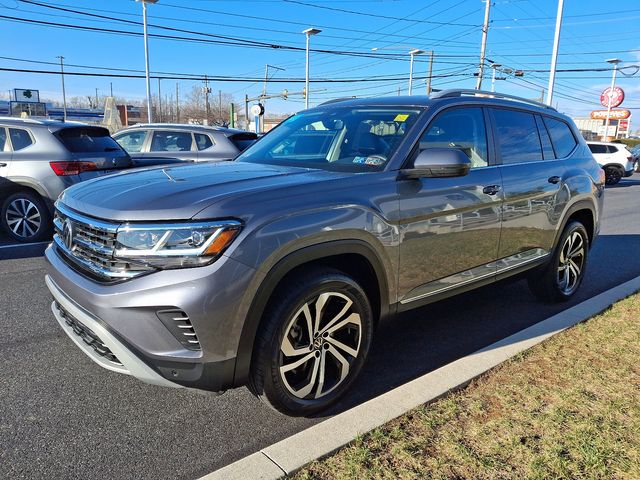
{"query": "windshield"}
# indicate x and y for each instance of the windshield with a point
(359, 139)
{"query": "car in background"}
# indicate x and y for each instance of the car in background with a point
(195, 143)
(38, 160)
(614, 158)
(635, 151)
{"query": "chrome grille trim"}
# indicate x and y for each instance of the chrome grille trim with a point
(93, 246)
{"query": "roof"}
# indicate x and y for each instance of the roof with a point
(594, 142)
(186, 126)
(41, 121)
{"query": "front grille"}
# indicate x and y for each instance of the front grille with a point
(88, 336)
(88, 244)
(180, 326)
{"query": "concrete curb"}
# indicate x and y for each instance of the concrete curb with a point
(289, 455)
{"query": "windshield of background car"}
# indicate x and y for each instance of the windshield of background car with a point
(359, 139)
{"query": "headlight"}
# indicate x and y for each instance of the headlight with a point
(174, 245)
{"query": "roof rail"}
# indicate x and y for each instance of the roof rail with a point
(459, 92)
(20, 119)
(336, 100)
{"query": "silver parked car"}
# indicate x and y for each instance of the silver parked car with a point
(195, 143)
(38, 160)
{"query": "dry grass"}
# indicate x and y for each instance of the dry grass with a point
(568, 408)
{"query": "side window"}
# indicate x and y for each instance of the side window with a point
(202, 141)
(461, 128)
(561, 137)
(3, 139)
(166, 141)
(612, 149)
(19, 139)
(132, 141)
(596, 148)
(517, 136)
(547, 148)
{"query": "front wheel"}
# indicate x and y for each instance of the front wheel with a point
(313, 342)
(561, 277)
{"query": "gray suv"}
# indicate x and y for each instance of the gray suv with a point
(273, 271)
(38, 160)
(194, 143)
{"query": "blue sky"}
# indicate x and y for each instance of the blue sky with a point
(520, 37)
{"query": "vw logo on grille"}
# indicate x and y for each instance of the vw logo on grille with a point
(67, 234)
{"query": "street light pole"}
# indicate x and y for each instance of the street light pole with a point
(308, 32)
(64, 94)
(146, 56)
(430, 72)
(614, 62)
(412, 54)
(554, 55)
(483, 48)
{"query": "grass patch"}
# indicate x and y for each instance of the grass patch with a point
(567, 408)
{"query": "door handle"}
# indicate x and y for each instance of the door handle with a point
(3, 164)
(491, 189)
(555, 179)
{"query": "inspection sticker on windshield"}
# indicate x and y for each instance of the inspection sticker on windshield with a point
(401, 117)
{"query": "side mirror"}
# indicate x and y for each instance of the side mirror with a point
(439, 162)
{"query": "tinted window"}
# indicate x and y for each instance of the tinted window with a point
(171, 142)
(3, 138)
(595, 148)
(352, 139)
(561, 137)
(243, 140)
(19, 139)
(547, 149)
(517, 136)
(461, 128)
(88, 139)
(132, 141)
(202, 141)
(612, 149)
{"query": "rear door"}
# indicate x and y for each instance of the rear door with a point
(5, 154)
(450, 227)
(534, 153)
(172, 144)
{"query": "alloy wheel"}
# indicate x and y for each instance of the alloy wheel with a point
(23, 218)
(320, 343)
(612, 176)
(571, 263)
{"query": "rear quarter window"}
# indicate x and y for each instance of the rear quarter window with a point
(87, 140)
(20, 139)
(561, 136)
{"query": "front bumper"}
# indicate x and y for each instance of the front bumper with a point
(124, 318)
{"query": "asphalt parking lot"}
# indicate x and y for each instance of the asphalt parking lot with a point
(62, 416)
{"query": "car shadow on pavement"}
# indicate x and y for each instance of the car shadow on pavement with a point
(625, 183)
(420, 341)
(18, 251)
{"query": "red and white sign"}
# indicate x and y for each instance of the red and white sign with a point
(623, 125)
(615, 96)
(614, 115)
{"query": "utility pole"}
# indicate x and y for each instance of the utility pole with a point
(430, 72)
(207, 90)
(159, 102)
(554, 55)
(111, 88)
(146, 57)
(220, 105)
(483, 48)
(97, 101)
(64, 95)
(246, 111)
(177, 103)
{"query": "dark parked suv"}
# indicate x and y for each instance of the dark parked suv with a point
(273, 271)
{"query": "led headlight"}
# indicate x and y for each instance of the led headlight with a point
(174, 245)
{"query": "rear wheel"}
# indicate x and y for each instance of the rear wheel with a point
(561, 277)
(26, 217)
(314, 340)
(612, 175)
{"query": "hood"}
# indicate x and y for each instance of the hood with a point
(178, 192)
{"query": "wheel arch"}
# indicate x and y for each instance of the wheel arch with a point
(584, 212)
(353, 257)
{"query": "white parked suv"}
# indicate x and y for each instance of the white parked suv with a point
(615, 160)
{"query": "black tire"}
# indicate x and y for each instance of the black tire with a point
(548, 282)
(286, 316)
(36, 227)
(613, 175)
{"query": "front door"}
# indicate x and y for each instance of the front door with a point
(450, 227)
(5, 155)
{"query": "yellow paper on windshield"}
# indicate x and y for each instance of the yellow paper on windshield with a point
(401, 117)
